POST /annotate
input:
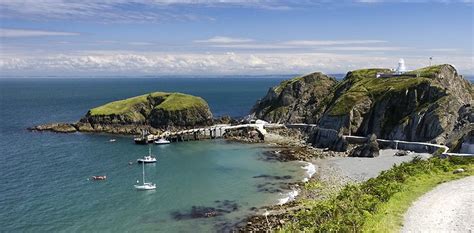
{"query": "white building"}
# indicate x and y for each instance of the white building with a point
(399, 71)
(401, 67)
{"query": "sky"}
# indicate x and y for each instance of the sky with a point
(228, 37)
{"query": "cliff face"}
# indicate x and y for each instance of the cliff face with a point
(429, 104)
(158, 109)
(296, 100)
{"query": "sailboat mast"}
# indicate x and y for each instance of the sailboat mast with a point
(143, 173)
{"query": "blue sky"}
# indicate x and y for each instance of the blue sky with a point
(118, 37)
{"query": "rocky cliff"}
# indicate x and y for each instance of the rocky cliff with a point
(153, 111)
(296, 100)
(428, 104)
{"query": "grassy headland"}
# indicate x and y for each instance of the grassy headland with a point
(364, 85)
(169, 102)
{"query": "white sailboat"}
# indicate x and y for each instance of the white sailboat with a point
(147, 158)
(145, 185)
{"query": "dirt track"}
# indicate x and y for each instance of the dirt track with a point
(447, 208)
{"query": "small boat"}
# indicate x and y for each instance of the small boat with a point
(147, 158)
(140, 140)
(112, 140)
(145, 185)
(99, 177)
(144, 138)
(162, 141)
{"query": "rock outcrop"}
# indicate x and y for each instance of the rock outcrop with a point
(327, 138)
(153, 112)
(421, 107)
(429, 104)
(368, 149)
(56, 127)
(296, 100)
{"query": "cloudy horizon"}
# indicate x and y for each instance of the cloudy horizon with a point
(117, 37)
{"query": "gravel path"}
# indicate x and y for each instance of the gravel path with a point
(362, 169)
(447, 208)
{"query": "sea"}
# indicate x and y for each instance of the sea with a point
(45, 183)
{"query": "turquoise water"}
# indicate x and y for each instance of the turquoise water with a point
(44, 176)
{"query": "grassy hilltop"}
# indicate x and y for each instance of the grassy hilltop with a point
(171, 102)
(157, 109)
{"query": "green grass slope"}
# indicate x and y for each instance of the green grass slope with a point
(169, 102)
(364, 84)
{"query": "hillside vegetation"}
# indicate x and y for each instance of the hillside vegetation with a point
(378, 204)
(157, 109)
(429, 104)
(170, 101)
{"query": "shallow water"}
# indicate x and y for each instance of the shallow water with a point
(44, 176)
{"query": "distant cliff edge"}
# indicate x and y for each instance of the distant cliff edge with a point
(429, 104)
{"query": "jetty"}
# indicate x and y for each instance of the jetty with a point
(211, 132)
(226, 130)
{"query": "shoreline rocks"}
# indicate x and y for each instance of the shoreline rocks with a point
(368, 149)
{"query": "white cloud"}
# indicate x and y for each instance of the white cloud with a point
(330, 42)
(242, 43)
(443, 50)
(6, 32)
(116, 11)
(363, 48)
(253, 46)
(139, 43)
(136, 63)
(224, 40)
(111, 11)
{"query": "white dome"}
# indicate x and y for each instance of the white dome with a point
(401, 66)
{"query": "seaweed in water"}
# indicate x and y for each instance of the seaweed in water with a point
(223, 207)
(273, 177)
(268, 188)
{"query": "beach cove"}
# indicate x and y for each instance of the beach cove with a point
(45, 175)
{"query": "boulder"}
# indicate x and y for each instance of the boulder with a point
(327, 138)
(368, 149)
(459, 170)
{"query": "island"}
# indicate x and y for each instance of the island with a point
(153, 112)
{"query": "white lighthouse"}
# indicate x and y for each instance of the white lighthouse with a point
(401, 67)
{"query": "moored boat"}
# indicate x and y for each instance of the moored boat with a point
(147, 158)
(144, 185)
(162, 141)
(99, 177)
(144, 138)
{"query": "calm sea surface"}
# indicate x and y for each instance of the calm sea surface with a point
(44, 182)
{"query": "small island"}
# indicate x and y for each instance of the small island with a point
(152, 112)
